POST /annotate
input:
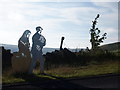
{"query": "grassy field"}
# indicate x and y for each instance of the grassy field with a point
(92, 69)
(83, 71)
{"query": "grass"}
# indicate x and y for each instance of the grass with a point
(64, 72)
(83, 71)
(12, 77)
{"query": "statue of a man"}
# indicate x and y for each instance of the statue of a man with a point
(38, 42)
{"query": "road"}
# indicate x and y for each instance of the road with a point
(99, 82)
(109, 81)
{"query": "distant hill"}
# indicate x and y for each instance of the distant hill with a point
(111, 46)
(14, 48)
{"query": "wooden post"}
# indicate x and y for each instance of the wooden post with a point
(61, 43)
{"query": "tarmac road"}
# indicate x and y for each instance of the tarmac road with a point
(99, 82)
(104, 81)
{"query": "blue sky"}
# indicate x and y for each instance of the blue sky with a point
(59, 18)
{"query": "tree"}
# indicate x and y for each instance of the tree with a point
(95, 37)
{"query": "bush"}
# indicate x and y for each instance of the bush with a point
(62, 57)
(82, 58)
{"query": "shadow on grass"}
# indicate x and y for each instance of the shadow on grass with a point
(32, 77)
(44, 81)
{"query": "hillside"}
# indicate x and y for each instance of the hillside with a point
(14, 48)
(111, 46)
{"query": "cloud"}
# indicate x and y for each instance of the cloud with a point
(111, 30)
(59, 0)
(113, 6)
(69, 20)
(104, 0)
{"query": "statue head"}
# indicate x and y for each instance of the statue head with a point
(39, 29)
(27, 33)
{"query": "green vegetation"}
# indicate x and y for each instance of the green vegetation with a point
(95, 34)
(12, 77)
(94, 68)
(65, 64)
(83, 71)
(82, 58)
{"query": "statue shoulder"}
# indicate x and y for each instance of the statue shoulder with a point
(36, 35)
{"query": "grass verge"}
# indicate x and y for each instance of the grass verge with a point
(92, 69)
(83, 71)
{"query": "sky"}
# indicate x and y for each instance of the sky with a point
(68, 18)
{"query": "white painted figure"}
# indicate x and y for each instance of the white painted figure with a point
(38, 42)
